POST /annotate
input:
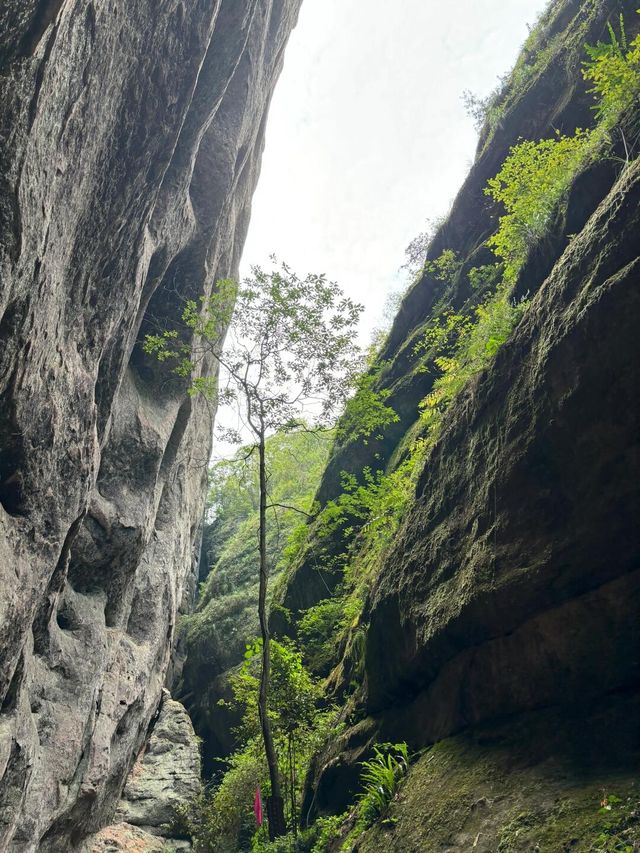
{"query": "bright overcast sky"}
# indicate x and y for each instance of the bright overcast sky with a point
(367, 135)
(368, 138)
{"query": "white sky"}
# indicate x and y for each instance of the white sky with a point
(367, 135)
(368, 138)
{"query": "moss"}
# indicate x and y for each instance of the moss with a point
(550, 782)
(578, 823)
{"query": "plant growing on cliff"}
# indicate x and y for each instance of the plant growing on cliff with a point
(381, 777)
(536, 176)
(613, 69)
(531, 183)
(291, 354)
(476, 340)
(367, 412)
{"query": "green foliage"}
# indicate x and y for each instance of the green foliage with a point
(370, 509)
(367, 412)
(533, 180)
(535, 177)
(617, 817)
(293, 694)
(226, 615)
(299, 724)
(367, 513)
(295, 462)
(380, 778)
(317, 630)
(315, 839)
(486, 277)
(445, 267)
(538, 51)
(326, 830)
(477, 340)
(291, 348)
(441, 337)
(222, 819)
(177, 345)
(613, 69)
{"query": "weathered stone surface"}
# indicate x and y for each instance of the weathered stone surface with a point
(513, 582)
(165, 775)
(534, 783)
(124, 838)
(130, 143)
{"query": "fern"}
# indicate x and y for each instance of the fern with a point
(381, 778)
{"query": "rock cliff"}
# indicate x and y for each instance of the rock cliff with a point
(165, 776)
(130, 145)
(512, 584)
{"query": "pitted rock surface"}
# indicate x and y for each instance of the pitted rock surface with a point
(130, 140)
(165, 776)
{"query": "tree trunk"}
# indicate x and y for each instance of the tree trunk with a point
(292, 778)
(275, 808)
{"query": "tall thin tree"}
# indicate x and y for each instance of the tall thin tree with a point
(291, 357)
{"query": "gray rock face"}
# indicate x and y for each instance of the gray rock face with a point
(130, 142)
(125, 838)
(166, 774)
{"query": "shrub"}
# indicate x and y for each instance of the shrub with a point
(381, 778)
(315, 839)
(223, 814)
(416, 251)
(445, 267)
(461, 346)
(317, 630)
(532, 182)
(614, 70)
(367, 412)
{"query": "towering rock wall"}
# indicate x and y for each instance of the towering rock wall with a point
(130, 144)
(513, 583)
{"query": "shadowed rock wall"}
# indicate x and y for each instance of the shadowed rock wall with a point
(130, 144)
(546, 95)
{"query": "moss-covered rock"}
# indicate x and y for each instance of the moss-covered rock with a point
(550, 782)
